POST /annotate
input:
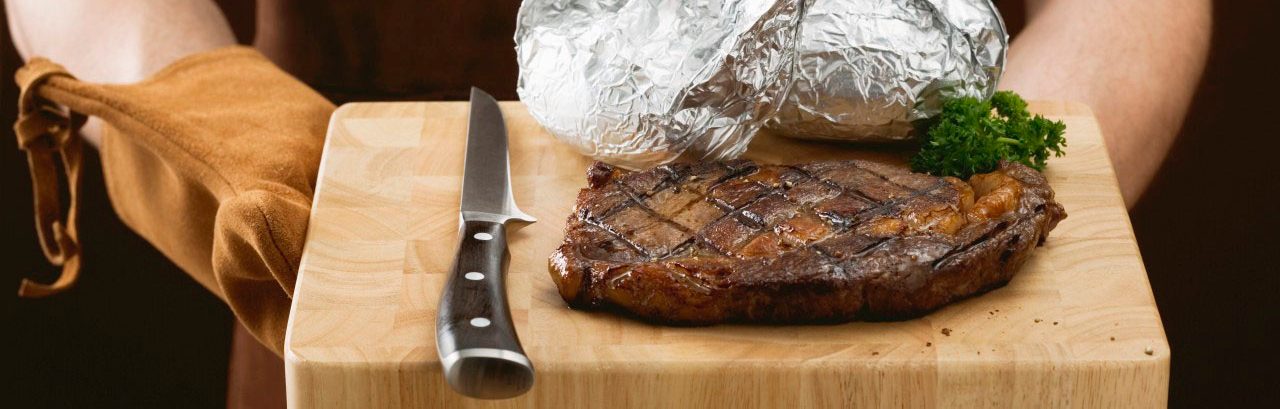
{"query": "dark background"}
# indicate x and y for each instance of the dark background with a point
(136, 332)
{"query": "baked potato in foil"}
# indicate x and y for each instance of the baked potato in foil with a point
(644, 82)
(868, 70)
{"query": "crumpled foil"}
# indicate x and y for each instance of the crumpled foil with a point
(643, 82)
(865, 70)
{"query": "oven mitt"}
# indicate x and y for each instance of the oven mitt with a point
(213, 160)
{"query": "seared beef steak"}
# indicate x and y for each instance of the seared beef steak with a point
(712, 242)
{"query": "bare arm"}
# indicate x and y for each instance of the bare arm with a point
(1136, 63)
(115, 41)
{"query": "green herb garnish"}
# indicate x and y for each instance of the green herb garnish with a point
(968, 137)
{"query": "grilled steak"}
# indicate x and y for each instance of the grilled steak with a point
(713, 242)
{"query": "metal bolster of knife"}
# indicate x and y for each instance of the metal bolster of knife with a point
(495, 218)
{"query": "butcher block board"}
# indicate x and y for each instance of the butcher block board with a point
(1077, 327)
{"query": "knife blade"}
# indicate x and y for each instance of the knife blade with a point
(475, 336)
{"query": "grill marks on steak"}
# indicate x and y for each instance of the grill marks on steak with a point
(701, 243)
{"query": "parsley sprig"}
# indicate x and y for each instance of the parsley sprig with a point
(972, 136)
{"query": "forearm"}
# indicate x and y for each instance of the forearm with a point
(116, 41)
(1136, 63)
(119, 41)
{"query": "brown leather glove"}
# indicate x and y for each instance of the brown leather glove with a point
(213, 160)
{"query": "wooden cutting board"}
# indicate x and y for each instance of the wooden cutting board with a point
(1077, 327)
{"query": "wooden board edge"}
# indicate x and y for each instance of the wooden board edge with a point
(337, 114)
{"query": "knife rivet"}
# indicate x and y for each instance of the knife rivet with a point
(479, 322)
(483, 236)
(474, 276)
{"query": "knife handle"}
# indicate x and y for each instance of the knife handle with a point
(475, 336)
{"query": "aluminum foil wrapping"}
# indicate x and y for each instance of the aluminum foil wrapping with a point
(642, 82)
(865, 70)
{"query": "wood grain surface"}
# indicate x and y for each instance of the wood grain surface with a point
(1077, 327)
